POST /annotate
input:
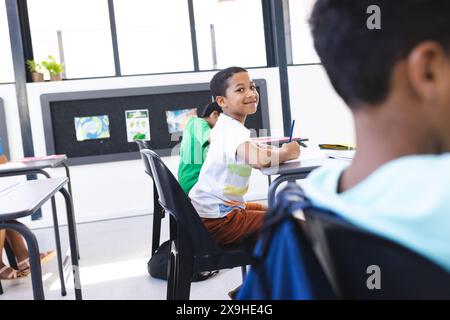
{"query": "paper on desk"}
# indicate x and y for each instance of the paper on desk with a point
(309, 154)
(341, 154)
(6, 187)
(29, 159)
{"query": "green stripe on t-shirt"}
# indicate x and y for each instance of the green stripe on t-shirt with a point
(242, 171)
(235, 191)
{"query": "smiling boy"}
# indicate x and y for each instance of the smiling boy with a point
(218, 196)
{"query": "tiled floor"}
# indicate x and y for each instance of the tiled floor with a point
(114, 255)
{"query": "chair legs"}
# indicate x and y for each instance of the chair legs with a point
(58, 248)
(171, 273)
(179, 276)
(74, 253)
(183, 282)
(11, 259)
(10, 255)
(33, 251)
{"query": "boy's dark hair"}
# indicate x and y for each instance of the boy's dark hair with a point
(219, 83)
(210, 108)
(360, 61)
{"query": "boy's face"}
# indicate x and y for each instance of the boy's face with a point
(241, 98)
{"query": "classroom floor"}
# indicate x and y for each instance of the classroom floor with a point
(114, 255)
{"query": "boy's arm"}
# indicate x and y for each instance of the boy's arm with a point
(266, 146)
(259, 157)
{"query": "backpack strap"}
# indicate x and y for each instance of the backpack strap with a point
(290, 201)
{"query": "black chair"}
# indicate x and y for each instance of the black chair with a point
(347, 252)
(158, 211)
(192, 247)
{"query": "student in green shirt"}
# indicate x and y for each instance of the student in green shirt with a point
(194, 145)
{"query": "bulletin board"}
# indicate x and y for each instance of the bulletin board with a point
(62, 113)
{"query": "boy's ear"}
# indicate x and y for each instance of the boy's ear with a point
(426, 71)
(221, 101)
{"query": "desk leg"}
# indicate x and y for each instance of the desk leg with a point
(58, 248)
(57, 238)
(73, 243)
(69, 184)
(33, 252)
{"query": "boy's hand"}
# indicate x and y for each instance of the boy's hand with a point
(292, 149)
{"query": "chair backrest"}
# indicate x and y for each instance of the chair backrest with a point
(142, 146)
(285, 266)
(190, 229)
(363, 265)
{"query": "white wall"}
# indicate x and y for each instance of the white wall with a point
(118, 189)
(8, 94)
(319, 113)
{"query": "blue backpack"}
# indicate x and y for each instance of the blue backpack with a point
(284, 265)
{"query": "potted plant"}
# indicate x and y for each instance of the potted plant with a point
(35, 70)
(54, 68)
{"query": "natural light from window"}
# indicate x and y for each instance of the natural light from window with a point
(85, 34)
(6, 65)
(302, 43)
(153, 36)
(230, 33)
(115, 271)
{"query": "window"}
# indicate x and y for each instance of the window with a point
(153, 36)
(6, 69)
(229, 32)
(302, 43)
(84, 30)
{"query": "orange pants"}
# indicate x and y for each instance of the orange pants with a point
(236, 224)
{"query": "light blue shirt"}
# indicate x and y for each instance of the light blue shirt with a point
(406, 200)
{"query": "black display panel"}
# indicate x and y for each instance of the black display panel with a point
(60, 110)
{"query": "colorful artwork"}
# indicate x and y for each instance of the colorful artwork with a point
(138, 125)
(94, 127)
(177, 119)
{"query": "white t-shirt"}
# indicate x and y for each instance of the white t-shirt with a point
(224, 178)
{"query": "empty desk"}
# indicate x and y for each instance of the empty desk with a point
(23, 199)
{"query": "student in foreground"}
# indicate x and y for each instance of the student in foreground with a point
(218, 196)
(396, 81)
(194, 145)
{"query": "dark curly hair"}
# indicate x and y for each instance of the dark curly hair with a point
(210, 108)
(360, 61)
(219, 83)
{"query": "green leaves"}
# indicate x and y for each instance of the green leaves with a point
(33, 66)
(52, 66)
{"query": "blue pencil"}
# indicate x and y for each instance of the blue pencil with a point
(292, 130)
